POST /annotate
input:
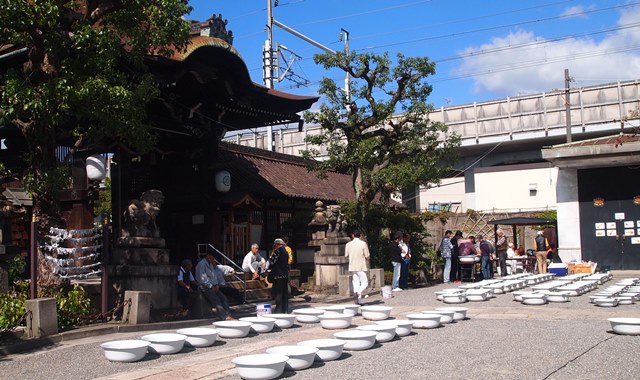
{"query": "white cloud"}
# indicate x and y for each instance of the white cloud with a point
(576, 11)
(523, 63)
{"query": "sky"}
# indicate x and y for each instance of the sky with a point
(483, 50)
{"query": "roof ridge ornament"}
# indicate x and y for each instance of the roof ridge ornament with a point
(215, 26)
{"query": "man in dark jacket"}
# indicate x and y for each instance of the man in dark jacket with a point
(454, 276)
(279, 276)
(395, 254)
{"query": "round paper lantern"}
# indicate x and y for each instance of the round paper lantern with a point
(96, 168)
(223, 181)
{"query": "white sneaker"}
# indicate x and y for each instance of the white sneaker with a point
(397, 290)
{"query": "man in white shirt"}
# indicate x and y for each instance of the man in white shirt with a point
(253, 262)
(357, 251)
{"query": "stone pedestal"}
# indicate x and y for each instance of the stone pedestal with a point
(330, 262)
(138, 310)
(160, 280)
(376, 282)
(44, 317)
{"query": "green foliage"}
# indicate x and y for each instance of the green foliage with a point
(103, 206)
(383, 151)
(17, 265)
(12, 304)
(72, 306)
(83, 83)
(548, 214)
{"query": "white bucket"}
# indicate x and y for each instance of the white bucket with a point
(263, 308)
(386, 292)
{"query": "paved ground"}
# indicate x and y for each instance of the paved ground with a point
(501, 339)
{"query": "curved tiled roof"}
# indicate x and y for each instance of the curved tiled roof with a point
(275, 175)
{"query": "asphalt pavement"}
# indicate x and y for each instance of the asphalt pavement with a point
(500, 339)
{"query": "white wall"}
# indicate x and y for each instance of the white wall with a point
(449, 190)
(503, 189)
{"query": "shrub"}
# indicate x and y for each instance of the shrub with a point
(12, 304)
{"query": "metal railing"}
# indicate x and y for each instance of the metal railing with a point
(204, 248)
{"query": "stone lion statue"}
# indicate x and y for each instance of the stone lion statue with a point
(335, 219)
(140, 215)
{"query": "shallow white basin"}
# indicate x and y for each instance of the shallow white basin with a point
(328, 349)
(260, 324)
(375, 312)
(300, 357)
(165, 343)
(454, 298)
(425, 321)
(130, 350)
(351, 308)
(199, 336)
(335, 309)
(534, 299)
(606, 302)
(386, 333)
(260, 366)
(445, 316)
(233, 329)
(403, 326)
(308, 315)
(284, 321)
(460, 313)
(558, 296)
(357, 340)
(334, 321)
(625, 325)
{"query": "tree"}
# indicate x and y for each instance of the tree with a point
(82, 81)
(383, 151)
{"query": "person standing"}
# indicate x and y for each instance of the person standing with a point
(502, 244)
(279, 276)
(395, 254)
(542, 246)
(253, 262)
(208, 277)
(445, 250)
(186, 283)
(357, 251)
(486, 266)
(455, 257)
(406, 260)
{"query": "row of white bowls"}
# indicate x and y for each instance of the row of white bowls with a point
(132, 350)
(301, 356)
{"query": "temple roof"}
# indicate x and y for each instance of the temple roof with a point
(269, 174)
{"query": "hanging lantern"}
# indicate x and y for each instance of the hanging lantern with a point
(223, 181)
(636, 200)
(96, 168)
(598, 202)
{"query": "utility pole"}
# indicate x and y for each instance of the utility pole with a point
(567, 97)
(347, 80)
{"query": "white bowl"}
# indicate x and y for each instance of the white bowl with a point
(454, 298)
(308, 315)
(351, 308)
(386, 333)
(357, 340)
(517, 295)
(284, 321)
(460, 313)
(199, 336)
(260, 366)
(626, 300)
(445, 316)
(478, 295)
(260, 324)
(534, 299)
(334, 321)
(328, 349)
(165, 343)
(375, 312)
(128, 351)
(403, 326)
(558, 296)
(233, 329)
(300, 357)
(332, 309)
(606, 302)
(425, 321)
(625, 326)
(467, 259)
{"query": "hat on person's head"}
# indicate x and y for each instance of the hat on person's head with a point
(540, 232)
(278, 241)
